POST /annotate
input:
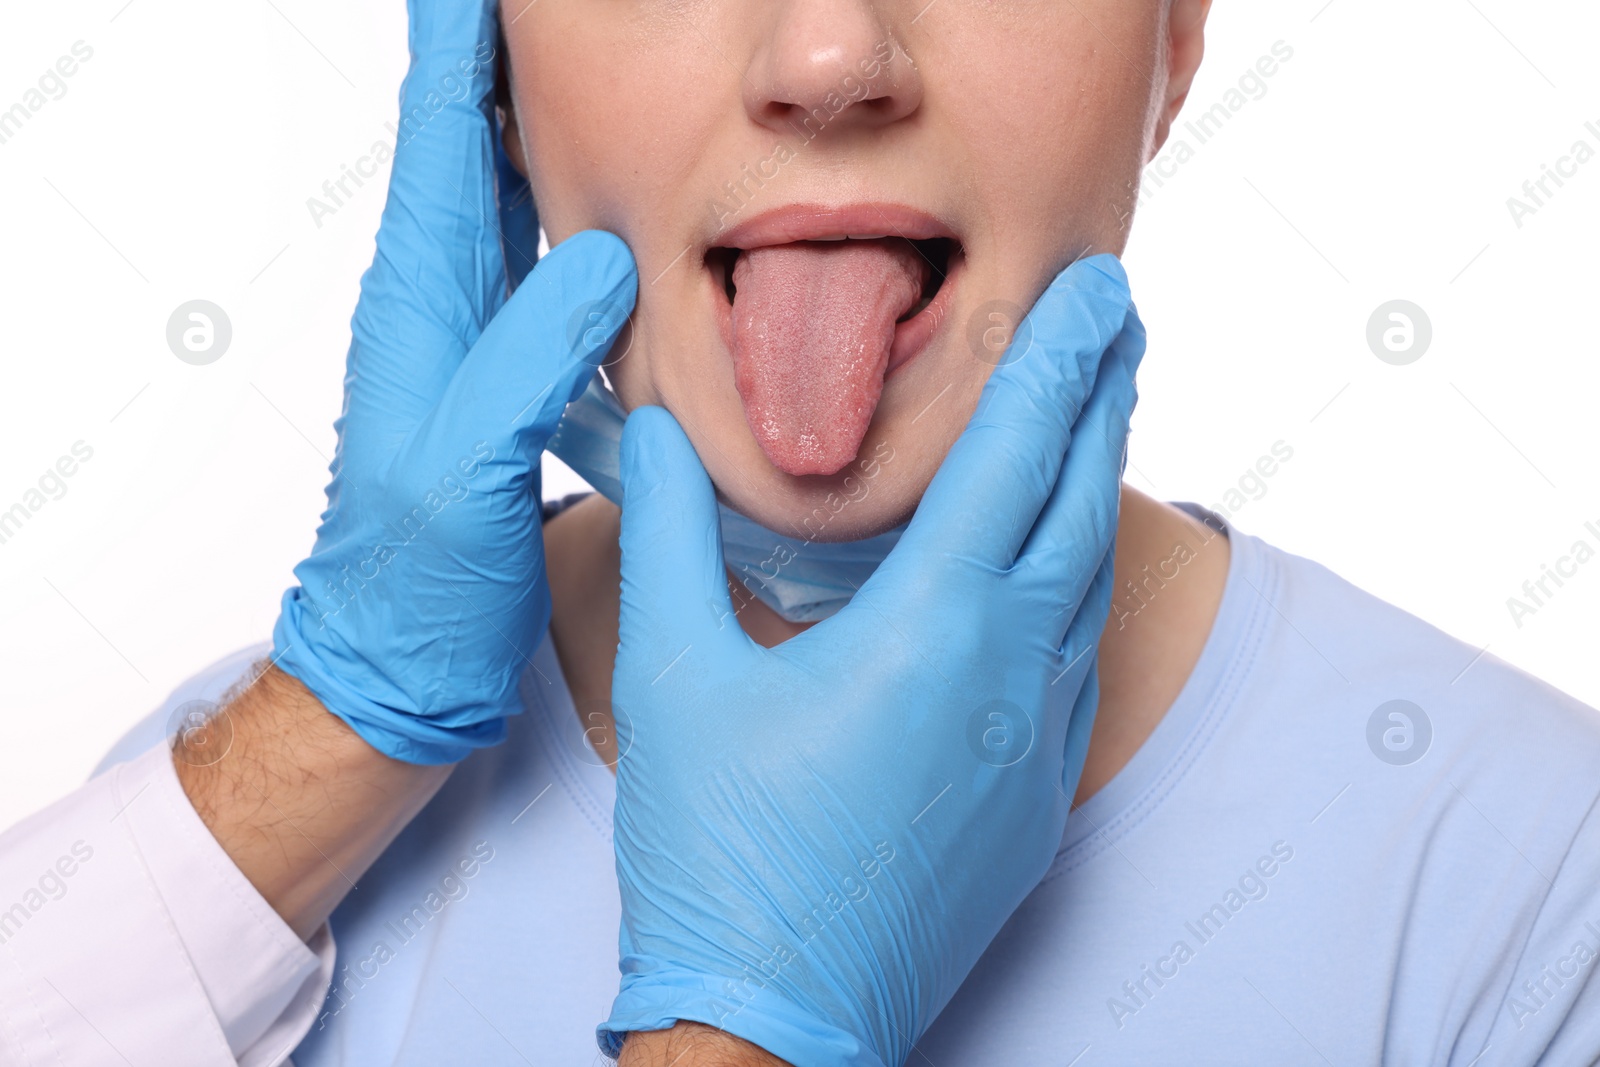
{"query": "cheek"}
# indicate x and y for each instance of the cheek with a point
(619, 116)
(611, 132)
(1056, 154)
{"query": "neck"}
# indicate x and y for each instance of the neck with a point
(1170, 571)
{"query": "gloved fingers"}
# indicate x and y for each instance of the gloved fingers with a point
(519, 217)
(990, 488)
(437, 276)
(675, 601)
(1079, 521)
(1074, 686)
(1084, 624)
(538, 354)
(1079, 730)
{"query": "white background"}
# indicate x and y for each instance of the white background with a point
(1377, 166)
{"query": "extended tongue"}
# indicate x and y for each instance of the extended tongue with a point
(813, 323)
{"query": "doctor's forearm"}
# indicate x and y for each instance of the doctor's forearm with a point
(300, 803)
(692, 1045)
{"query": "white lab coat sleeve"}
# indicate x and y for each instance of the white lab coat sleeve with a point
(128, 936)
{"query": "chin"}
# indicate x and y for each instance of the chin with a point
(873, 496)
(877, 491)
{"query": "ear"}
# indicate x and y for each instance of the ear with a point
(1186, 45)
(505, 105)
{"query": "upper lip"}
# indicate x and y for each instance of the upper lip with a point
(815, 222)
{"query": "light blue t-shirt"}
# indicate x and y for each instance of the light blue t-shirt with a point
(1352, 840)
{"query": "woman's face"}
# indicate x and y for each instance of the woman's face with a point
(976, 148)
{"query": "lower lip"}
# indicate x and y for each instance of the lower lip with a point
(911, 337)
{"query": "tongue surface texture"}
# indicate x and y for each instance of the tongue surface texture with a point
(813, 323)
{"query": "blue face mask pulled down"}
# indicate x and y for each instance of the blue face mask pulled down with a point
(803, 581)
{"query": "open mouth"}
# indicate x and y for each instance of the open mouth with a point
(816, 320)
(938, 252)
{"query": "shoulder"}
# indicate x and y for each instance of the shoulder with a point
(1489, 760)
(1368, 642)
(1448, 804)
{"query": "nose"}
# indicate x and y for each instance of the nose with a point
(830, 65)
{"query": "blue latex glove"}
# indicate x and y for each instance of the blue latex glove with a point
(816, 842)
(426, 593)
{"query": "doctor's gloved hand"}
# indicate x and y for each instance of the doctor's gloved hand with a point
(816, 842)
(425, 594)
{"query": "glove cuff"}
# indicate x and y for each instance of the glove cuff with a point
(395, 732)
